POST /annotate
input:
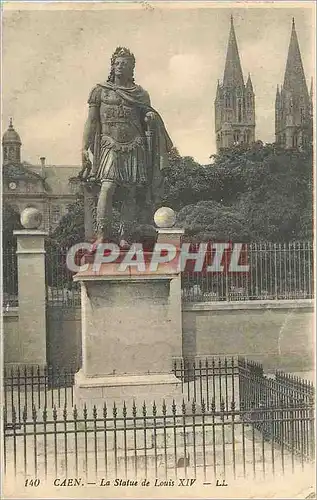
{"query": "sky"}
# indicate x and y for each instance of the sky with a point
(53, 55)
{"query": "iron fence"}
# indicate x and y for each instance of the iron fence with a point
(233, 420)
(61, 290)
(10, 278)
(213, 379)
(277, 271)
(29, 387)
(257, 390)
(158, 441)
(209, 379)
(259, 394)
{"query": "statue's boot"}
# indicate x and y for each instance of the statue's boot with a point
(127, 234)
(104, 233)
(124, 244)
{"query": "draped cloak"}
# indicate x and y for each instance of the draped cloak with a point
(157, 141)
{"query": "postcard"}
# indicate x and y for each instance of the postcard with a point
(158, 249)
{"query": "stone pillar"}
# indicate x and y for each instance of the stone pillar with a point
(31, 348)
(173, 236)
(90, 202)
(131, 330)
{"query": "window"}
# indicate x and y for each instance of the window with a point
(11, 153)
(239, 112)
(46, 217)
(56, 214)
(236, 137)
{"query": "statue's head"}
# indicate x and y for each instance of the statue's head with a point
(122, 64)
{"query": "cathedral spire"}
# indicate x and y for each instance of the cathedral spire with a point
(278, 95)
(234, 102)
(294, 78)
(249, 85)
(233, 76)
(293, 106)
(218, 90)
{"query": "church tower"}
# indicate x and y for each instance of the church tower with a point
(11, 146)
(235, 102)
(293, 104)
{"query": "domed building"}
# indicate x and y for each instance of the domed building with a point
(11, 146)
(42, 186)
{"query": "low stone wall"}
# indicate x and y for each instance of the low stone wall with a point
(64, 337)
(63, 341)
(279, 334)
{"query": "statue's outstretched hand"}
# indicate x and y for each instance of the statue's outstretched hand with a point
(85, 156)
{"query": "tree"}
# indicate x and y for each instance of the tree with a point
(257, 193)
(265, 186)
(210, 220)
(187, 182)
(71, 229)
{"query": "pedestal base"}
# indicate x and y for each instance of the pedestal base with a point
(95, 391)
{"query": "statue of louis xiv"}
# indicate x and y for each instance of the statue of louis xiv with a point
(129, 146)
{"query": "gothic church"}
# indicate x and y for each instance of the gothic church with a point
(293, 104)
(235, 102)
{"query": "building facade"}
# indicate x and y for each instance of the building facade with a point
(235, 102)
(293, 103)
(45, 187)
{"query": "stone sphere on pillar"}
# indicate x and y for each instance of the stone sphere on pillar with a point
(165, 217)
(31, 218)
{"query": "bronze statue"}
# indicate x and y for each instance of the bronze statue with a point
(129, 144)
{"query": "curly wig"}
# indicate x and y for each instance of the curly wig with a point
(121, 52)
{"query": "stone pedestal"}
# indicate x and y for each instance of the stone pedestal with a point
(31, 348)
(90, 202)
(131, 330)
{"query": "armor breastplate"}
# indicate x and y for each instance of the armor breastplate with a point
(118, 120)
